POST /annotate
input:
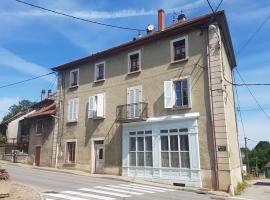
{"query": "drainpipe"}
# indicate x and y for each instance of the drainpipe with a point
(211, 113)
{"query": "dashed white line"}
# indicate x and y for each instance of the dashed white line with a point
(118, 190)
(88, 195)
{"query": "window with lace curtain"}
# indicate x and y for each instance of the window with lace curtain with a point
(174, 150)
(140, 148)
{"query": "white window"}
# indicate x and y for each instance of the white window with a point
(177, 94)
(134, 61)
(73, 110)
(70, 151)
(134, 99)
(179, 49)
(174, 149)
(140, 148)
(74, 78)
(96, 106)
(100, 71)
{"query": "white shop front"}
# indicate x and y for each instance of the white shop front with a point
(163, 149)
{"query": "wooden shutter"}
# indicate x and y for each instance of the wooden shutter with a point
(168, 94)
(75, 109)
(100, 105)
(70, 102)
(91, 106)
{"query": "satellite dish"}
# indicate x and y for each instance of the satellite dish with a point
(150, 28)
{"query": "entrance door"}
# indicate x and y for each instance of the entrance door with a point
(99, 158)
(37, 156)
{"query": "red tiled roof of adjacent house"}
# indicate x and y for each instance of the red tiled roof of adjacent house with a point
(174, 29)
(44, 111)
(268, 165)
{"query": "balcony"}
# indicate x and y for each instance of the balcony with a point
(132, 112)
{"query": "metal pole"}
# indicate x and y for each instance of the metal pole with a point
(247, 159)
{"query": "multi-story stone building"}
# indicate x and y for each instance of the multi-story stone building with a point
(160, 107)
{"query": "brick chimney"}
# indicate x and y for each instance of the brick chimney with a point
(161, 19)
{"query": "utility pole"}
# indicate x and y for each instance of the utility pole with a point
(246, 152)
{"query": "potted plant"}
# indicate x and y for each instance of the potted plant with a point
(4, 183)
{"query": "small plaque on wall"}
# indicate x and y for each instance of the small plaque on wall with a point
(222, 148)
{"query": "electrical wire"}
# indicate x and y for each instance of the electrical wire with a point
(79, 18)
(253, 96)
(218, 5)
(26, 80)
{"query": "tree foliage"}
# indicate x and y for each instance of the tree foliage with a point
(260, 155)
(15, 108)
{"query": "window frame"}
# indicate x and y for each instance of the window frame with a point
(70, 120)
(70, 78)
(42, 126)
(139, 61)
(144, 151)
(179, 151)
(174, 96)
(66, 159)
(173, 50)
(95, 115)
(96, 71)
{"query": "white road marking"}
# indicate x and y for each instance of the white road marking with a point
(127, 187)
(88, 195)
(239, 198)
(153, 187)
(104, 192)
(118, 190)
(64, 196)
(140, 187)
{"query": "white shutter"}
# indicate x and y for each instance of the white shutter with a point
(76, 109)
(69, 116)
(91, 106)
(168, 94)
(189, 93)
(100, 105)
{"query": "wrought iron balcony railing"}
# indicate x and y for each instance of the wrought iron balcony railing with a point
(132, 112)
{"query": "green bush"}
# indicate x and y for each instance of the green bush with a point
(241, 186)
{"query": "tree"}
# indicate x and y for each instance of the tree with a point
(15, 108)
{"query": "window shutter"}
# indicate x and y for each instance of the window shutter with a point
(168, 94)
(100, 105)
(91, 106)
(189, 92)
(76, 109)
(69, 110)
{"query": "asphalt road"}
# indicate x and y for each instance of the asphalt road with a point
(60, 185)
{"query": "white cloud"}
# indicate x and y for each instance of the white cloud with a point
(5, 103)
(11, 60)
(101, 14)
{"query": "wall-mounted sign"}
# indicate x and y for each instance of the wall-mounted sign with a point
(222, 148)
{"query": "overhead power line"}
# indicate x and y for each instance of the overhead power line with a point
(79, 18)
(218, 5)
(26, 80)
(253, 96)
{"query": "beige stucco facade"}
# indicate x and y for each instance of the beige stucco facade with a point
(156, 67)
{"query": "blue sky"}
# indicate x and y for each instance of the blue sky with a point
(32, 41)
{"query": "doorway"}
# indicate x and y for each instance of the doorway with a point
(99, 157)
(37, 156)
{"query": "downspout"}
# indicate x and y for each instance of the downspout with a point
(211, 113)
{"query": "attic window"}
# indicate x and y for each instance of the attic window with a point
(179, 49)
(74, 78)
(134, 61)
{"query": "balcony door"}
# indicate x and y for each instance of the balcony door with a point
(134, 97)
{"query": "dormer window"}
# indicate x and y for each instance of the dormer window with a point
(134, 61)
(74, 78)
(100, 71)
(179, 49)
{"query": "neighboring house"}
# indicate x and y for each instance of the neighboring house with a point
(160, 107)
(41, 125)
(267, 170)
(15, 129)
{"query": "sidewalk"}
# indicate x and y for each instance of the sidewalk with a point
(122, 178)
(21, 192)
(258, 190)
